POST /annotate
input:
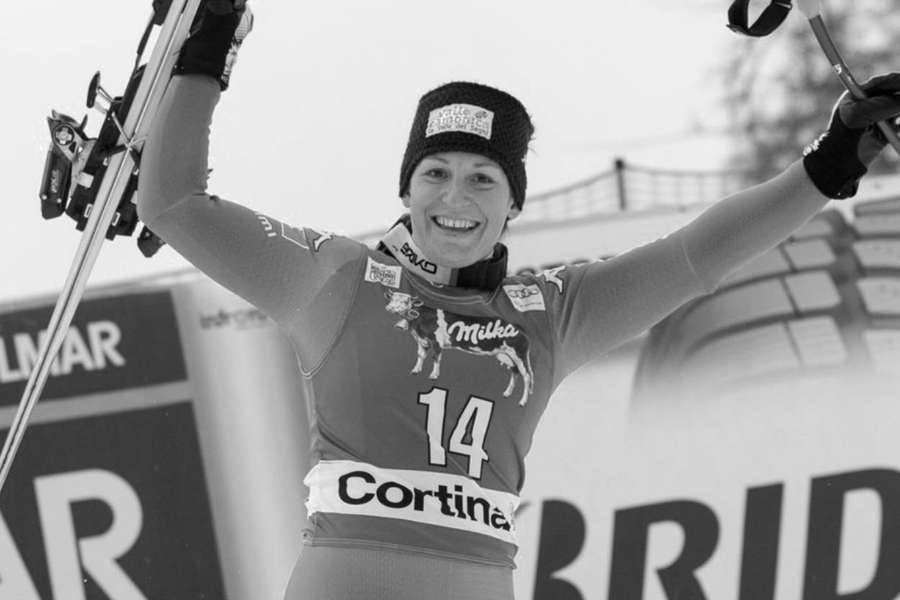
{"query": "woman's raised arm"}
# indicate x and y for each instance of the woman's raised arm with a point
(612, 301)
(274, 266)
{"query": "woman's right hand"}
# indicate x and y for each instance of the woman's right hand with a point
(219, 7)
(223, 7)
(217, 33)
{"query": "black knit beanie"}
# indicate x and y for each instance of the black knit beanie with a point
(471, 117)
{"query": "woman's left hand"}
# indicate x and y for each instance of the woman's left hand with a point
(837, 160)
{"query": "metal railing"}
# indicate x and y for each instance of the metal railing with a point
(627, 187)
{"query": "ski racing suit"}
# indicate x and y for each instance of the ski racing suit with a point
(423, 399)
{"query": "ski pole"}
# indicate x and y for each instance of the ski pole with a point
(812, 10)
(121, 165)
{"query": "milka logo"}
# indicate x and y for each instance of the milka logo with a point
(435, 330)
(474, 332)
(94, 350)
(412, 257)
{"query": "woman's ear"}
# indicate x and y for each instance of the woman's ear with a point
(405, 199)
(514, 211)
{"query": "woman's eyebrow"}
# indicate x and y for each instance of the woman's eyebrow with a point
(446, 162)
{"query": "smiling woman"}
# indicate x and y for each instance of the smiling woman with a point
(463, 173)
(427, 367)
(459, 204)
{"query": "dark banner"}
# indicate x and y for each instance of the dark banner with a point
(114, 343)
(109, 507)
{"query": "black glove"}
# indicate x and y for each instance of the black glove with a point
(216, 34)
(839, 158)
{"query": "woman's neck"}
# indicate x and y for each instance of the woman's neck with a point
(485, 274)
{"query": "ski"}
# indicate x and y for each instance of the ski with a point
(94, 180)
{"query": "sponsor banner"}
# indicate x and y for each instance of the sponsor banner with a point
(248, 396)
(113, 343)
(446, 500)
(239, 318)
(789, 492)
(109, 507)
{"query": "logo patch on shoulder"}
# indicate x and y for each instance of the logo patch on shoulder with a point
(525, 297)
(467, 118)
(552, 276)
(384, 274)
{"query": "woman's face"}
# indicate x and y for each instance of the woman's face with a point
(459, 203)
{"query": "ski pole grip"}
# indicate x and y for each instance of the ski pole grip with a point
(840, 67)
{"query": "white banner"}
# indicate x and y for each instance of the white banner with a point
(774, 494)
(354, 488)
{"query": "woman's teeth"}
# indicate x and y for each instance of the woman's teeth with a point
(455, 224)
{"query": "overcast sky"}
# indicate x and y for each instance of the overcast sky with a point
(314, 126)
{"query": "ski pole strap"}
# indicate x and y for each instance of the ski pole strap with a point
(772, 16)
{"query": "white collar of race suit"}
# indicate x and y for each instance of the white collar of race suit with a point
(486, 274)
(401, 245)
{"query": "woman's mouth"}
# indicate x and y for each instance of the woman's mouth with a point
(454, 225)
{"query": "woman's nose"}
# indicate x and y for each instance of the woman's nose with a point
(456, 193)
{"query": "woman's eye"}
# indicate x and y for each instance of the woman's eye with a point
(435, 173)
(483, 179)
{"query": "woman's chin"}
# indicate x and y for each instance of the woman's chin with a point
(456, 253)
